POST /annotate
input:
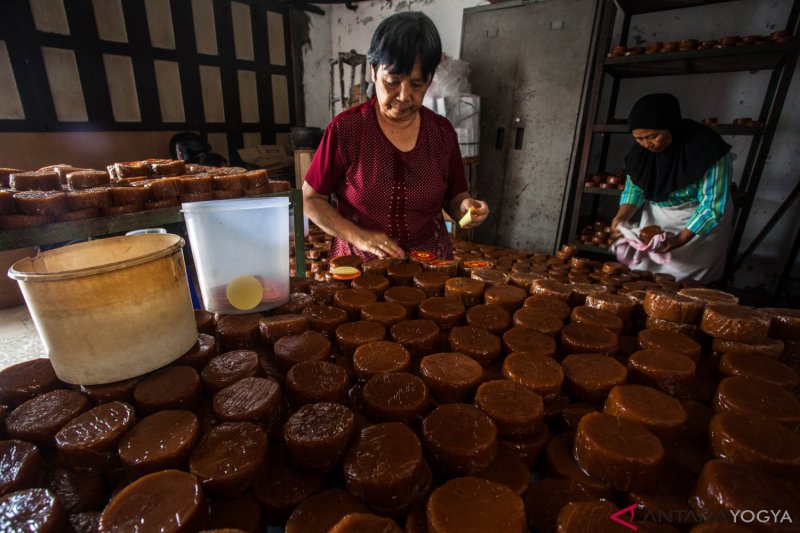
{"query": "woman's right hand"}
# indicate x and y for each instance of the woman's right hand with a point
(614, 231)
(377, 243)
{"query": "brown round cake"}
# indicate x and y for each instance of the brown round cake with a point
(460, 439)
(540, 373)
(387, 313)
(450, 377)
(619, 451)
(589, 378)
(657, 411)
(476, 343)
(474, 504)
(380, 357)
(584, 338)
(492, 318)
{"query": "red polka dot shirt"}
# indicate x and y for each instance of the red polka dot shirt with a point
(378, 187)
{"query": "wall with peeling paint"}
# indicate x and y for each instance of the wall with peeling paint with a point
(316, 68)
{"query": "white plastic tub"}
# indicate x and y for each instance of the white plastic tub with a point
(241, 252)
(110, 309)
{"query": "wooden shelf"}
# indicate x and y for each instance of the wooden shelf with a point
(638, 7)
(722, 129)
(92, 227)
(734, 59)
(602, 192)
(591, 248)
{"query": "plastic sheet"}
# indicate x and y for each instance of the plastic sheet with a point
(620, 305)
(655, 410)
(20, 466)
(669, 340)
(672, 307)
(469, 291)
(460, 438)
(317, 435)
(451, 377)
(39, 419)
(555, 289)
(395, 397)
(516, 410)
(724, 488)
(584, 338)
(762, 444)
(589, 378)
(690, 330)
(89, 441)
(736, 323)
(596, 317)
(475, 342)
(540, 320)
(754, 398)
(473, 504)
(663, 369)
(709, 296)
(560, 462)
(257, 400)
(619, 451)
(738, 363)
(316, 381)
(540, 373)
(229, 457)
(785, 323)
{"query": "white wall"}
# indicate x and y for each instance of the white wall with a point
(352, 30)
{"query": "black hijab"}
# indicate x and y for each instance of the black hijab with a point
(693, 150)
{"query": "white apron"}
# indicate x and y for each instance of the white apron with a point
(702, 258)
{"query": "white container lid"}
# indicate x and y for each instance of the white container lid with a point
(235, 204)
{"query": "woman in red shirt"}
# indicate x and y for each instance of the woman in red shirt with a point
(392, 164)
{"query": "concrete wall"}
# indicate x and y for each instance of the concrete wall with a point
(726, 96)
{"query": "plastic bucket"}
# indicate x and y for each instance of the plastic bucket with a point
(110, 309)
(241, 252)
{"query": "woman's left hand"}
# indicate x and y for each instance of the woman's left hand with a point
(675, 242)
(480, 211)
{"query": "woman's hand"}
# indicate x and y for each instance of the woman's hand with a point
(675, 242)
(615, 234)
(480, 211)
(377, 243)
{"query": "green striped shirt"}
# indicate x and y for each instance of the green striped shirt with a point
(710, 194)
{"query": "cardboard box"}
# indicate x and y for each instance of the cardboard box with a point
(267, 156)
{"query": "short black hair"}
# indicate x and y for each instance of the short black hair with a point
(191, 145)
(400, 39)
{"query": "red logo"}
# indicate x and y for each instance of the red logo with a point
(616, 517)
(423, 256)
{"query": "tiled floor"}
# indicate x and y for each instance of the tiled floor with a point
(19, 340)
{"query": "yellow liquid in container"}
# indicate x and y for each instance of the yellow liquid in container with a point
(244, 292)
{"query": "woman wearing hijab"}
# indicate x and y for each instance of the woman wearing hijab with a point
(678, 171)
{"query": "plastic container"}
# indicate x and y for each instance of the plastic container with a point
(241, 252)
(110, 309)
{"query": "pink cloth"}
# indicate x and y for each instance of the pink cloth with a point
(378, 187)
(630, 250)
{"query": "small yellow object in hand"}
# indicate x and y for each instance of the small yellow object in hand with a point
(244, 292)
(467, 218)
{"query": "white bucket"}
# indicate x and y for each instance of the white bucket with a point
(241, 252)
(110, 309)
